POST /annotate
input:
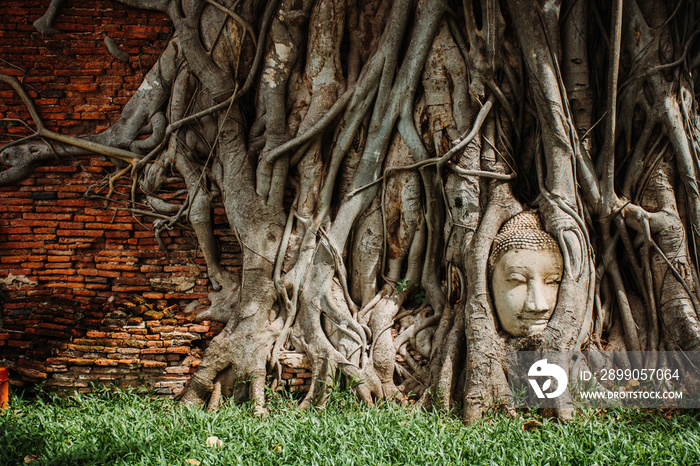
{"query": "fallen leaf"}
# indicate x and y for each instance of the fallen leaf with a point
(632, 384)
(29, 459)
(194, 462)
(532, 424)
(214, 442)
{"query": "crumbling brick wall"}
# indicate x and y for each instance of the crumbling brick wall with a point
(87, 293)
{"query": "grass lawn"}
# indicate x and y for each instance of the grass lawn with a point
(125, 428)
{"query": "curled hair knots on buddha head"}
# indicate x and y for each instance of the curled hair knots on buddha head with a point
(522, 231)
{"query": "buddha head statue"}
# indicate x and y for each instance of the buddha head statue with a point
(525, 269)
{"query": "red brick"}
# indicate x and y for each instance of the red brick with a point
(32, 373)
(198, 328)
(127, 362)
(34, 216)
(76, 72)
(59, 265)
(110, 266)
(81, 361)
(57, 361)
(112, 253)
(105, 362)
(16, 230)
(59, 258)
(51, 326)
(19, 344)
(16, 259)
(178, 370)
(150, 268)
(23, 245)
(71, 203)
(95, 286)
(154, 364)
(32, 265)
(130, 289)
(71, 226)
(109, 226)
(80, 233)
(117, 234)
(58, 169)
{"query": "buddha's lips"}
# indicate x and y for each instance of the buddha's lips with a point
(533, 320)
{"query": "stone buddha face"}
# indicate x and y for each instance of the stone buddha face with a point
(526, 268)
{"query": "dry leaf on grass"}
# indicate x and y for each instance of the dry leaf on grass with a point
(214, 442)
(532, 424)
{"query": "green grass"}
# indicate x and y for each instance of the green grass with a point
(122, 427)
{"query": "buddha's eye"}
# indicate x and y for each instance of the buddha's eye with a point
(553, 280)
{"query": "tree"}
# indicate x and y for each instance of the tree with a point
(367, 154)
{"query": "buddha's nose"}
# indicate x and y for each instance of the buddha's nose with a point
(536, 297)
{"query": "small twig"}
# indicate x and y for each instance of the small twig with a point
(13, 66)
(147, 213)
(482, 173)
(114, 178)
(236, 17)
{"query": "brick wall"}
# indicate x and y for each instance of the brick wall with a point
(77, 84)
(87, 294)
